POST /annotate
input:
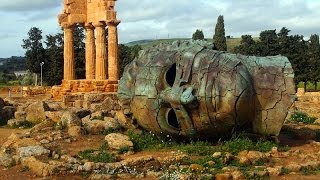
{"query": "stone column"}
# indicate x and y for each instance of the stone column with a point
(69, 64)
(101, 51)
(113, 62)
(90, 52)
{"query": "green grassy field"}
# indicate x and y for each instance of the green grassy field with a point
(310, 86)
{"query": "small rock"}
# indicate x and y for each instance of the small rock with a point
(252, 156)
(44, 141)
(224, 176)
(118, 141)
(36, 112)
(293, 167)
(69, 119)
(76, 131)
(55, 116)
(88, 166)
(196, 168)
(227, 158)
(38, 167)
(274, 150)
(217, 155)
(20, 115)
(237, 175)
(32, 151)
(276, 171)
(6, 160)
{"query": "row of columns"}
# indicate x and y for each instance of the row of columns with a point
(97, 66)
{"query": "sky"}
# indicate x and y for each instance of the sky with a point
(155, 19)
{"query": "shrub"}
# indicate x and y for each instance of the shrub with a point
(100, 155)
(302, 117)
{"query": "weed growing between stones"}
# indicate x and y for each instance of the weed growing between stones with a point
(60, 126)
(123, 150)
(23, 125)
(110, 130)
(101, 155)
(150, 141)
(302, 117)
(100, 118)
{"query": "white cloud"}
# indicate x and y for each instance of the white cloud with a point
(28, 5)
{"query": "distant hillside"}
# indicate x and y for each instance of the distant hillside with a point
(15, 63)
(231, 42)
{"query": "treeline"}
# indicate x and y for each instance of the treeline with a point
(304, 55)
(50, 51)
(14, 63)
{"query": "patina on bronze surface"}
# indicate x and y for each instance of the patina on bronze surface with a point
(187, 89)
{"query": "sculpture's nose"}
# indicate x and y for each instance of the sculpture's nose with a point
(178, 96)
(187, 97)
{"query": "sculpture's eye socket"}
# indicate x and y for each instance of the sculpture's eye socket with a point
(172, 119)
(171, 75)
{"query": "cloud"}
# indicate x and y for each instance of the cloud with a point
(28, 5)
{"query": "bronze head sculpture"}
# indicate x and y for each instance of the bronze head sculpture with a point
(187, 89)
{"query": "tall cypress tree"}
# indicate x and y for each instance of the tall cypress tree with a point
(35, 53)
(314, 53)
(219, 38)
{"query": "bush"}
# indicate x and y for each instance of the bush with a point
(302, 117)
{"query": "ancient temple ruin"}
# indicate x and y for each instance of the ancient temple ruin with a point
(102, 67)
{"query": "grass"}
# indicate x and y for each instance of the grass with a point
(238, 143)
(101, 155)
(149, 141)
(310, 86)
(302, 117)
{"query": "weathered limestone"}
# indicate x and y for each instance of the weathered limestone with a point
(95, 15)
(187, 89)
(90, 52)
(113, 64)
(69, 64)
(101, 55)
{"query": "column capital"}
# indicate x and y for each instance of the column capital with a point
(89, 26)
(99, 24)
(67, 25)
(114, 22)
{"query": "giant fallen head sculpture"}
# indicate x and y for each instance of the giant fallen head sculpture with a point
(187, 89)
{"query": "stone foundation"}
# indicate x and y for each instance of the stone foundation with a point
(70, 87)
(308, 96)
(89, 100)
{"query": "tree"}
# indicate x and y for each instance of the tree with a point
(314, 61)
(219, 38)
(35, 53)
(53, 71)
(126, 55)
(247, 46)
(268, 44)
(198, 35)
